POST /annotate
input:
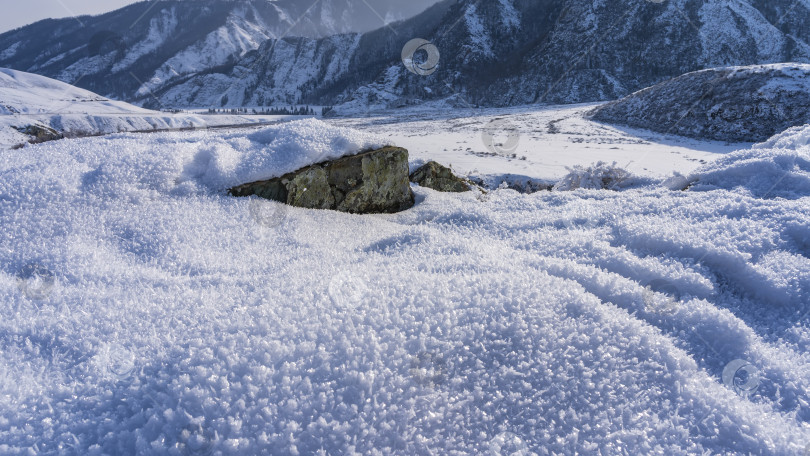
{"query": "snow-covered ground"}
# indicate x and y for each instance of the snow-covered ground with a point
(28, 99)
(482, 142)
(144, 311)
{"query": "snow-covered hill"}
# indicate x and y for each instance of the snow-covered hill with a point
(26, 93)
(728, 104)
(146, 312)
(142, 47)
(28, 100)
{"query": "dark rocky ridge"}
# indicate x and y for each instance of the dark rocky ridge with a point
(748, 104)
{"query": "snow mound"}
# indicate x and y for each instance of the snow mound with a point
(233, 159)
(796, 138)
(777, 168)
(145, 312)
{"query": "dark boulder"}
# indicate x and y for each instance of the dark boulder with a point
(39, 133)
(370, 182)
(439, 178)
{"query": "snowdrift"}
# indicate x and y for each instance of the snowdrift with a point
(777, 168)
(146, 312)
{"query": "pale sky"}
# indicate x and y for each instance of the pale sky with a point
(17, 13)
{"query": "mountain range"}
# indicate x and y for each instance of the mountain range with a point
(492, 52)
(128, 52)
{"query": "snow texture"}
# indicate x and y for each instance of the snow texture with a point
(146, 312)
(778, 168)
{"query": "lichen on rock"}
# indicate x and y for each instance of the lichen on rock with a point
(39, 133)
(370, 182)
(439, 178)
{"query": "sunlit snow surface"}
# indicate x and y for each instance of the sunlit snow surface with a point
(538, 142)
(144, 311)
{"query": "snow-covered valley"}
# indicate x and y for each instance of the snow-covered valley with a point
(492, 143)
(147, 312)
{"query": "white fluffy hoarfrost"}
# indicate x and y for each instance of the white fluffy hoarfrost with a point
(146, 312)
(232, 159)
(779, 167)
(598, 176)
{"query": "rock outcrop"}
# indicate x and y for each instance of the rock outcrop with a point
(39, 133)
(370, 182)
(439, 178)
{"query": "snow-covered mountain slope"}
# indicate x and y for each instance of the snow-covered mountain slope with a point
(26, 93)
(506, 52)
(146, 312)
(142, 47)
(31, 100)
(730, 104)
